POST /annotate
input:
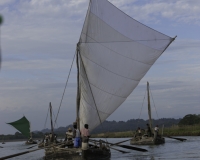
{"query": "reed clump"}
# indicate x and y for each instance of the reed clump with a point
(183, 130)
(175, 130)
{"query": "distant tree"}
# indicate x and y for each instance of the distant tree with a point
(190, 119)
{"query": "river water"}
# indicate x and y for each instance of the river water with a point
(172, 149)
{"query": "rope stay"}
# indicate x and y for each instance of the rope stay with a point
(153, 102)
(64, 89)
(143, 104)
(142, 107)
(46, 118)
(54, 118)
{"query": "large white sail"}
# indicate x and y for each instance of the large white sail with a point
(116, 52)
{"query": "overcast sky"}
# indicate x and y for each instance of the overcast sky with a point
(38, 41)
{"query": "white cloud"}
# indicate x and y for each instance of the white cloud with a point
(5, 2)
(179, 11)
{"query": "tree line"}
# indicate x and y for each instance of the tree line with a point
(114, 126)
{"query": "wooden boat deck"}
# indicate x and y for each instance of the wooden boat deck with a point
(144, 140)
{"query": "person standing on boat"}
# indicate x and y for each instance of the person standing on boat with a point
(68, 138)
(51, 137)
(139, 131)
(85, 131)
(156, 129)
(85, 134)
(77, 136)
(55, 138)
(46, 137)
(149, 130)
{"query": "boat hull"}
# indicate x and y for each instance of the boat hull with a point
(144, 140)
(76, 154)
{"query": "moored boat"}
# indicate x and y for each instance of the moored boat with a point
(147, 137)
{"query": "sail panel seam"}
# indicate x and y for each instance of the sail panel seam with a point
(104, 90)
(132, 19)
(110, 71)
(92, 107)
(119, 53)
(125, 35)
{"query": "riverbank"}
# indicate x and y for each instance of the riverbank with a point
(175, 130)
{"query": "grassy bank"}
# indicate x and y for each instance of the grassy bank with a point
(190, 130)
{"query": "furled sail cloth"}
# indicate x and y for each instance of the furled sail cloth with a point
(22, 125)
(116, 52)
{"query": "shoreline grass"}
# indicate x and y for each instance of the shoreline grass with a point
(186, 130)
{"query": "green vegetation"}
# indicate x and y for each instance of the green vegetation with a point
(190, 119)
(184, 130)
(188, 126)
(19, 136)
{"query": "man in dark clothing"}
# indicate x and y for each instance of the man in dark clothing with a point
(149, 130)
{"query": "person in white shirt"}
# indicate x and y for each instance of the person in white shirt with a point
(77, 136)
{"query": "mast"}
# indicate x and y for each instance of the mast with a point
(78, 91)
(149, 106)
(50, 107)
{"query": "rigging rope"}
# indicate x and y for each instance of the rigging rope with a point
(54, 118)
(65, 88)
(46, 119)
(142, 106)
(153, 103)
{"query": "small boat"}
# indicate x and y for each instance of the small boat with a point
(49, 139)
(56, 150)
(144, 138)
(23, 126)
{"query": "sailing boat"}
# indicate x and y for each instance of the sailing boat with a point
(114, 53)
(50, 138)
(23, 126)
(148, 139)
